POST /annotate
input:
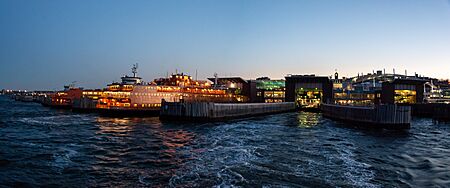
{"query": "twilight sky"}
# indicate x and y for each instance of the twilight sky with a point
(46, 44)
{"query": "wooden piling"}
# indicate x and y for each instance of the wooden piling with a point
(215, 111)
(389, 116)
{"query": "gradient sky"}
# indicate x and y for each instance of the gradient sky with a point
(46, 44)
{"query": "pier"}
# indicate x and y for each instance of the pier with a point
(220, 111)
(355, 99)
(380, 116)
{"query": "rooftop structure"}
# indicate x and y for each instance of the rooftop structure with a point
(132, 80)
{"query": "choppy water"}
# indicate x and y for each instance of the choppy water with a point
(47, 147)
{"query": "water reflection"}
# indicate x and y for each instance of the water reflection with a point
(42, 147)
(144, 150)
(113, 127)
(308, 119)
(113, 120)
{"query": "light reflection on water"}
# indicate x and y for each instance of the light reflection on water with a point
(308, 119)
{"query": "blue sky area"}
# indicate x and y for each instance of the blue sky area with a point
(46, 44)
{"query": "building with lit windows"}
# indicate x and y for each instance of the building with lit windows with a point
(261, 90)
(308, 91)
(437, 91)
(232, 85)
(403, 91)
(268, 91)
(380, 88)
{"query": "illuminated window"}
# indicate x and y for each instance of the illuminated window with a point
(405, 96)
(308, 97)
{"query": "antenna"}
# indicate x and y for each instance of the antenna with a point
(215, 80)
(134, 69)
(195, 74)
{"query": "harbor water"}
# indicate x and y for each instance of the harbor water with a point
(40, 146)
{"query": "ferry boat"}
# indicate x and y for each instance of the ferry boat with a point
(148, 97)
(134, 96)
(62, 99)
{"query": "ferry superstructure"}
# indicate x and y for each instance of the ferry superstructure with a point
(147, 96)
(133, 94)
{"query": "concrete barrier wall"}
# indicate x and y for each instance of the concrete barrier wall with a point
(209, 110)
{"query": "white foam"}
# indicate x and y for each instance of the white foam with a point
(358, 173)
(62, 158)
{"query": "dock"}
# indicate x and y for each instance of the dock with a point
(220, 111)
(380, 116)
